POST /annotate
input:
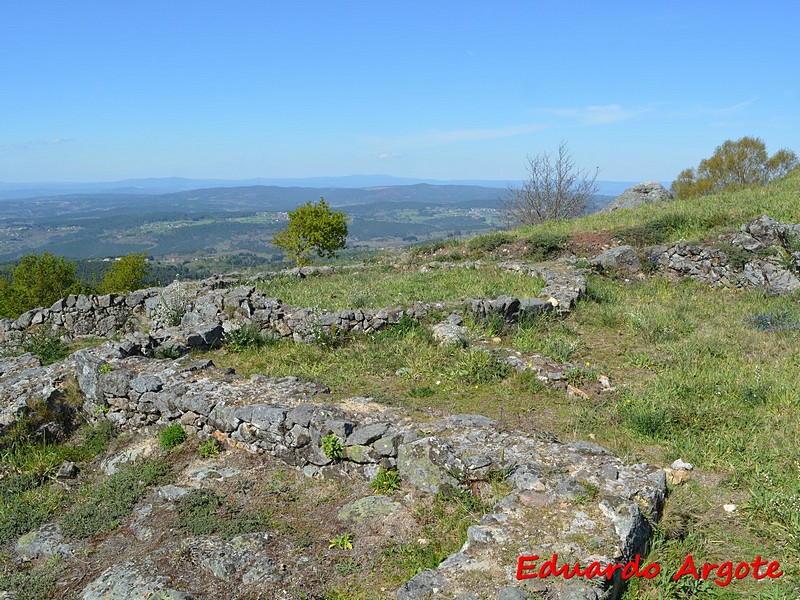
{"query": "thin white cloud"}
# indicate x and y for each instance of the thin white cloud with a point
(387, 156)
(599, 115)
(733, 109)
(31, 145)
(436, 137)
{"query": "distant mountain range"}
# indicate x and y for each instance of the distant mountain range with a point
(169, 185)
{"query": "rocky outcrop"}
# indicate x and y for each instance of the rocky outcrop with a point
(620, 258)
(642, 193)
(768, 258)
(575, 499)
(559, 495)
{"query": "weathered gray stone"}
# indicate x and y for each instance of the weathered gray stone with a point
(428, 464)
(127, 581)
(146, 383)
(368, 507)
(45, 541)
(448, 334)
(363, 436)
(642, 193)
(621, 258)
(67, 470)
(243, 556)
(427, 584)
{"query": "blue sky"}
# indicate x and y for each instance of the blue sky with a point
(448, 90)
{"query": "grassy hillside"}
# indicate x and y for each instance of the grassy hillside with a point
(705, 375)
(694, 219)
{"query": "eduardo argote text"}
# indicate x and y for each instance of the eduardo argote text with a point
(528, 567)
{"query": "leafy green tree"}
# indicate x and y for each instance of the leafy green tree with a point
(313, 229)
(39, 281)
(734, 165)
(6, 300)
(125, 275)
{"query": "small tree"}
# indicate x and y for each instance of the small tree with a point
(313, 229)
(39, 281)
(734, 165)
(555, 189)
(125, 275)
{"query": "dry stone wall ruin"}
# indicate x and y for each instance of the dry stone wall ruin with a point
(571, 499)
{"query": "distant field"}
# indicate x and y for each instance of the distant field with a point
(379, 287)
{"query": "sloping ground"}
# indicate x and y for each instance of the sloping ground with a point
(169, 525)
(703, 374)
(574, 499)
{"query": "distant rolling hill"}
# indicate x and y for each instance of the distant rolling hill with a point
(223, 220)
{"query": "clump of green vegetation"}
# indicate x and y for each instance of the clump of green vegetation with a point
(209, 449)
(543, 245)
(656, 231)
(172, 436)
(560, 347)
(27, 466)
(343, 541)
(490, 241)
(738, 257)
(32, 583)
(422, 391)
(172, 307)
(332, 447)
(591, 494)
(579, 375)
(490, 325)
(105, 368)
(204, 512)
(246, 337)
(386, 481)
(168, 352)
(476, 367)
(46, 345)
(444, 522)
(348, 566)
(107, 503)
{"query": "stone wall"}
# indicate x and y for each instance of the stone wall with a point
(764, 254)
(209, 308)
(559, 494)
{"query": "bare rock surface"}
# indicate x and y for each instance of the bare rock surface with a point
(639, 194)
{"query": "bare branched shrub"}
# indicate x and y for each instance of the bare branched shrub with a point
(555, 189)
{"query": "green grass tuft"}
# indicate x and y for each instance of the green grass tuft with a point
(172, 436)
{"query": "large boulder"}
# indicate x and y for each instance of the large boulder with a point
(643, 193)
(621, 258)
